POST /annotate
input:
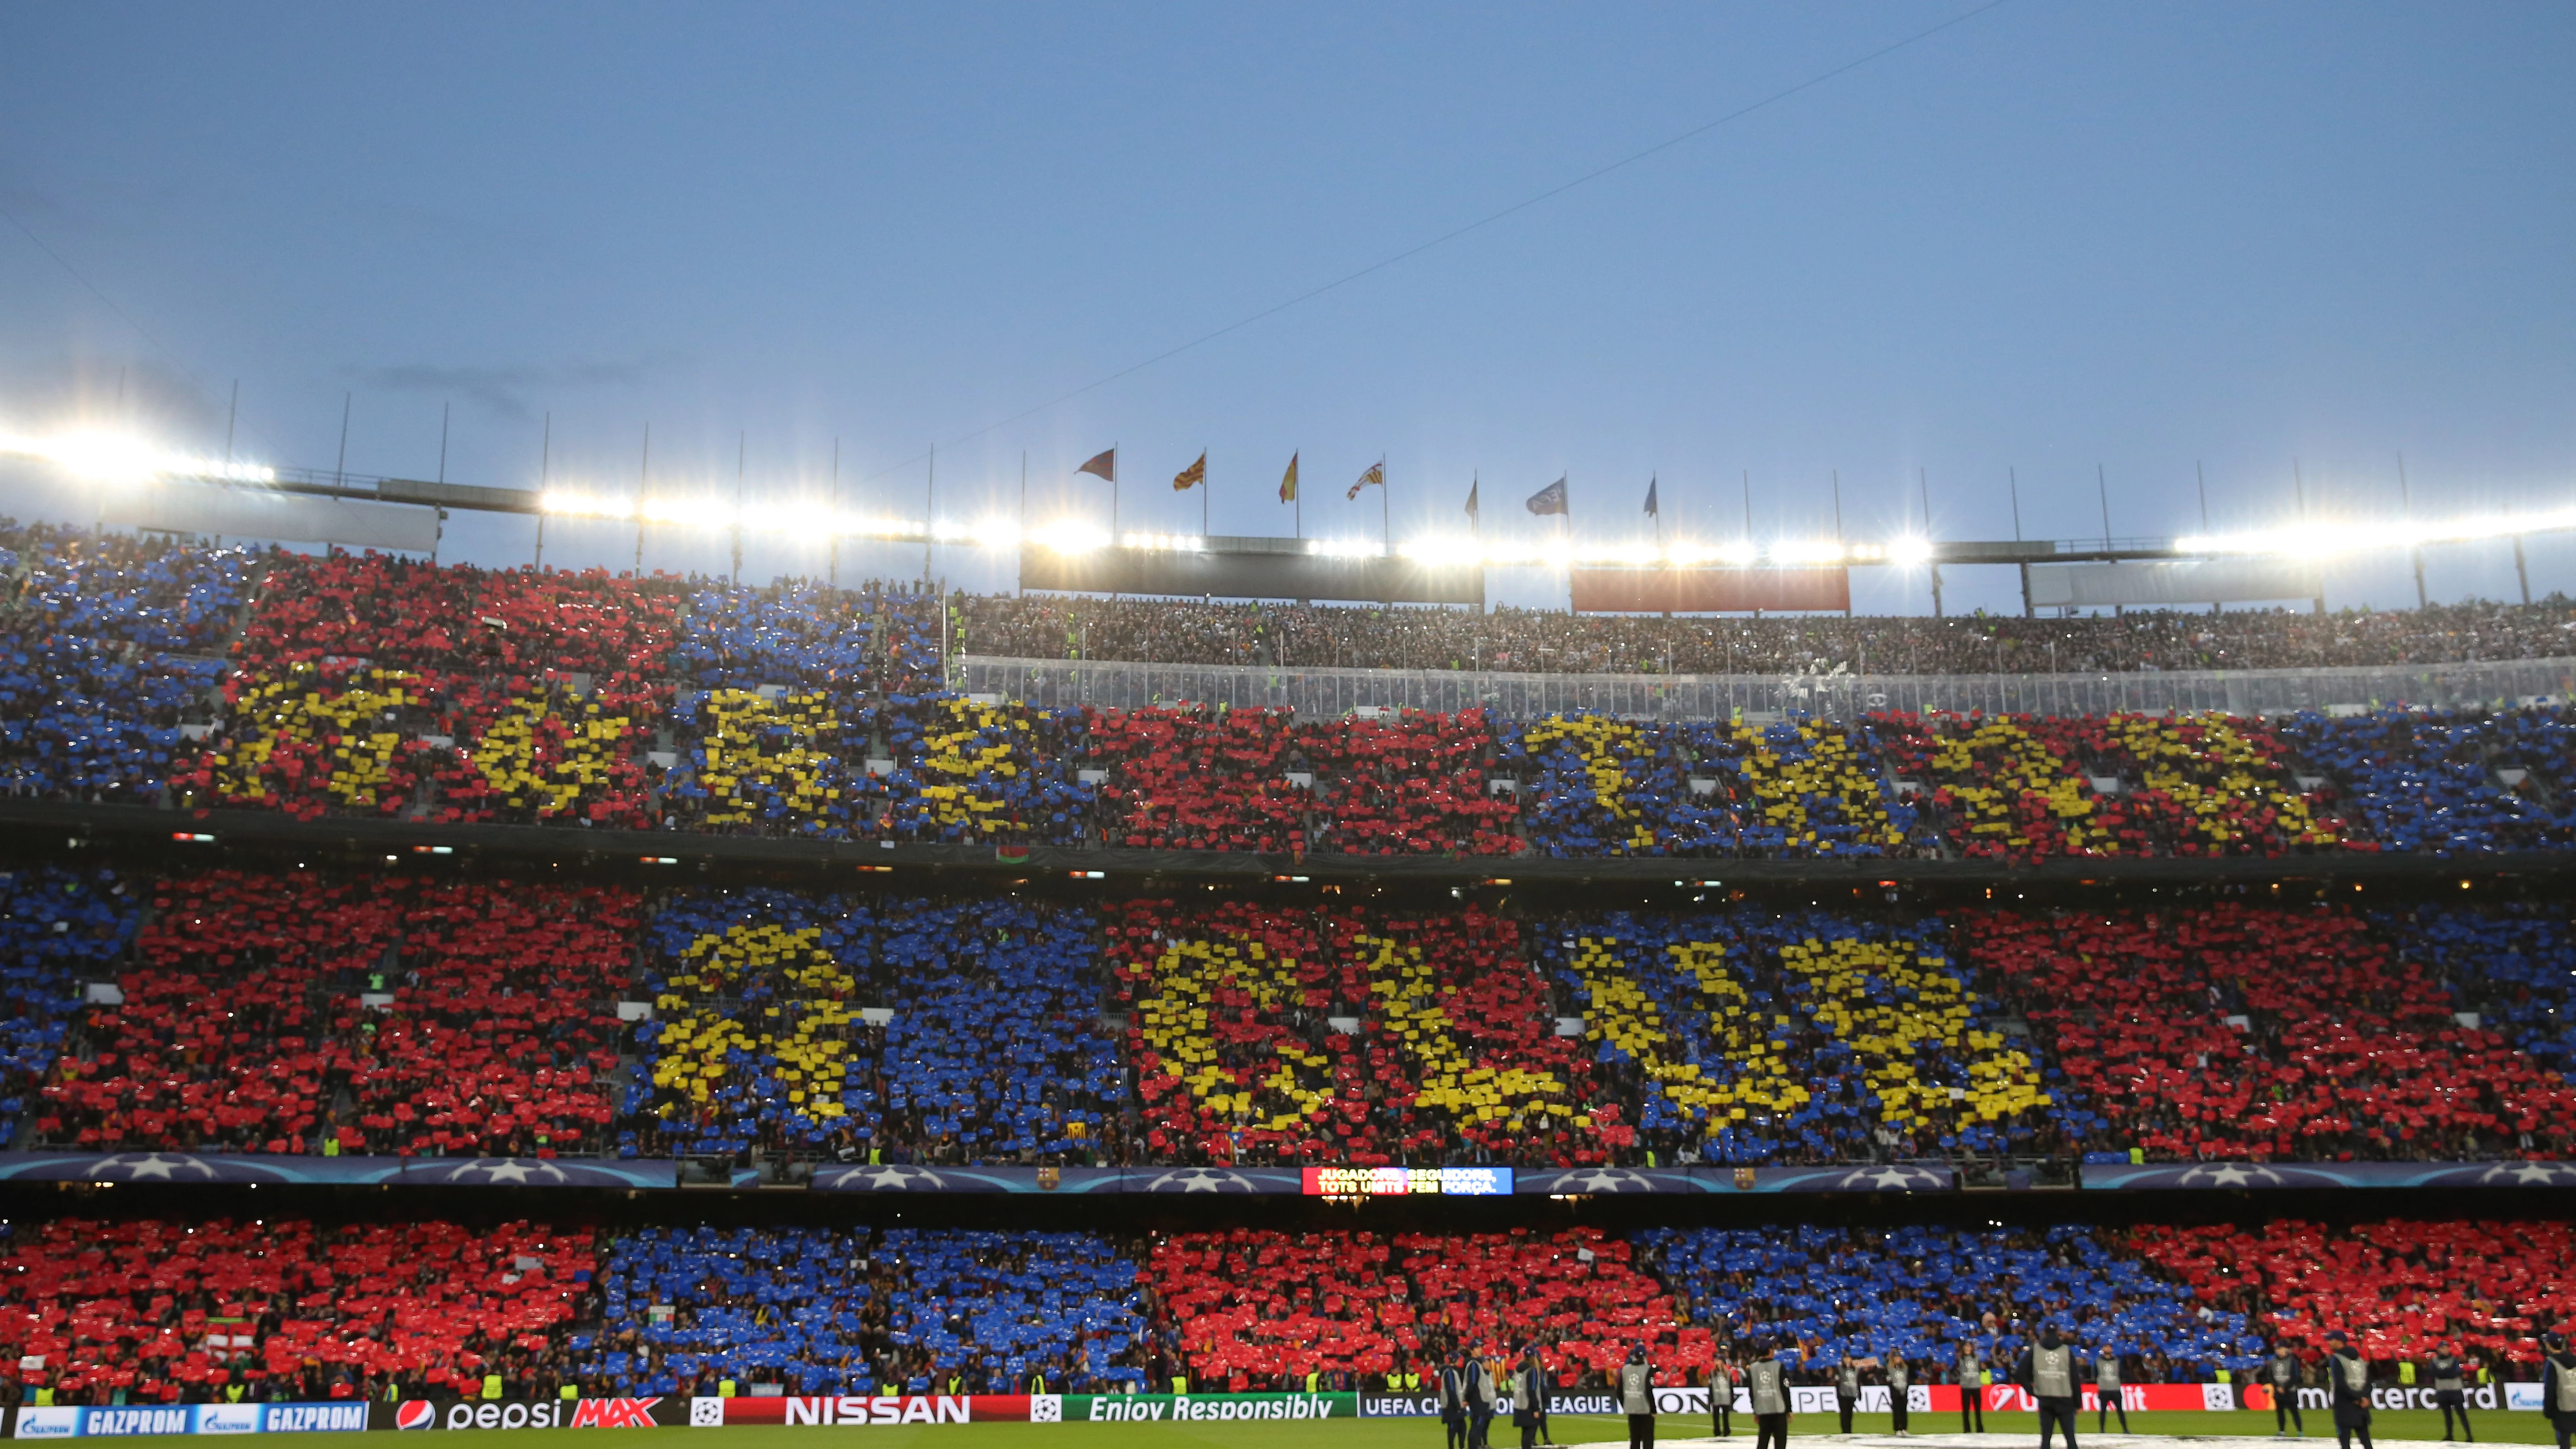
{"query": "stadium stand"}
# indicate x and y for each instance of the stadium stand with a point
(389, 687)
(2514, 966)
(833, 1311)
(1793, 789)
(1411, 785)
(457, 618)
(1752, 1037)
(2023, 788)
(873, 639)
(366, 1014)
(153, 1311)
(2238, 1031)
(1920, 1292)
(1554, 641)
(1272, 1037)
(2426, 780)
(1249, 1310)
(1199, 779)
(58, 929)
(906, 1030)
(106, 646)
(2401, 1289)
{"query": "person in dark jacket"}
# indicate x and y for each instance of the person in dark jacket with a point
(2048, 1371)
(1529, 1398)
(2451, 1391)
(2558, 1386)
(1637, 1398)
(2281, 1371)
(1453, 1404)
(1766, 1384)
(2348, 1389)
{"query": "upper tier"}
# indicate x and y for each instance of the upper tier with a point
(217, 678)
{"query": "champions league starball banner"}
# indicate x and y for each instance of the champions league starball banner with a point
(190, 1169)
(1350, 1181)
(2256, 1176)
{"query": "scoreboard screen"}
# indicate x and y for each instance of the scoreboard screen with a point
(1402, 1181)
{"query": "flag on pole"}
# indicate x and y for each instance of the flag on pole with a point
(1650, 500)
(1474, 513)
(1550, 499)
(1191, 476)
(1104, 466)
(1375, 475)
(1288, 481)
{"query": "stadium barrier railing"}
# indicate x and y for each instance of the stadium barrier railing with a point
(1327, 692)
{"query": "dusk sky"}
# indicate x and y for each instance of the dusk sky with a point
(2045, 238)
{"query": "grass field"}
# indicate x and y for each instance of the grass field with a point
(2005, 1431)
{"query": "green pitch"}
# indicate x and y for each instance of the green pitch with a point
(2005, 1431)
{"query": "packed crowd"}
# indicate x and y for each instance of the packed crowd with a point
(358, 1014)
(1752, 1037)
(1250, 1310)
(1947, 1302)
(58, 929)
(1592, 785)
(1262, 1036)
(2236, 1031)
(396, 688)
(149, 1311)
(388, 1013)
(2402, 1290)
(107, 648)
(898, 1030)
(695, 1311)
(1552, 641)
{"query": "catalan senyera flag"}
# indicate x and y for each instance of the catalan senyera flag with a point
(1288, 481)
(1376, 475)
(1191, 476)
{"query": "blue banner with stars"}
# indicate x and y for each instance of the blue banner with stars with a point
(2256, 1176)
(239, 1167)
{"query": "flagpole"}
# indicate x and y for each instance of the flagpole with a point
(1385, 514)
(1203, 493)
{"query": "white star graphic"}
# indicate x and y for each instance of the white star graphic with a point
(503, 1171)
(2534, 1173)
(155, 1165)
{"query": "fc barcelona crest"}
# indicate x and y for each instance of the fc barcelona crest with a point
(1744, 1179)
(1048, 1177)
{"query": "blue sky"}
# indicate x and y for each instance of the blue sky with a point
(2047, 238)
